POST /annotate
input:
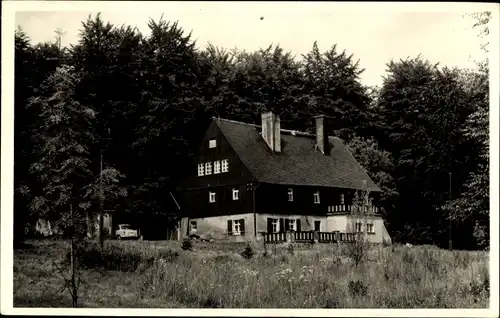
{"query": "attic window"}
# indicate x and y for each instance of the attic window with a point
(216, 167)
(316, 197)
(208, 168)
(225, 165)
(212, 143)
(201, 170)
(290, 194)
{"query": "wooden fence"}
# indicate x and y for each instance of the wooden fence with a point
(309, 236)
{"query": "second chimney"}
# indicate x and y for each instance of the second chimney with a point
(322, 142)
(271, 130)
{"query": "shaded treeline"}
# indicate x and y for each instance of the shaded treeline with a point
(143, 102)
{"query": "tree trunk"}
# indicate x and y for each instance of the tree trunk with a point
(101, 209)
(74, 293)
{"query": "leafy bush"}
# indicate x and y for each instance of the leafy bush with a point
(357, 287)
(356, 250)
(248, 252)
(187, 245)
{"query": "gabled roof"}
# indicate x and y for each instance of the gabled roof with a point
(298, 163)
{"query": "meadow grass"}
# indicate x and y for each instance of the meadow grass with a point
(215, 275)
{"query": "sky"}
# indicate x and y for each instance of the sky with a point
(373, 34)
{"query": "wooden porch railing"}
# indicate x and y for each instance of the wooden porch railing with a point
(349, 208)
(309, 236)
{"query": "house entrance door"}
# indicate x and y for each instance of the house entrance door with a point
(317, 226)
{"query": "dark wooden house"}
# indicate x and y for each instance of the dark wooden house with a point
(247, 179)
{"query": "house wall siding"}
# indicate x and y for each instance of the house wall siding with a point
(195, 194)
(306, 221)
(215, 227)
(273, 199)
(345, 223)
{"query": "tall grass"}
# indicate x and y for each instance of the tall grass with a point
(215, 275)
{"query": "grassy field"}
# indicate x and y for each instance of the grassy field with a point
(137, 274)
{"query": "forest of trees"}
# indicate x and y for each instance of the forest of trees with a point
(143, 102)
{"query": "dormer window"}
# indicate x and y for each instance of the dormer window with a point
(201, 170)
(212, 143)
(316, 197)
(208, 168)
(290, 194)
(216, 167)
(211, 197)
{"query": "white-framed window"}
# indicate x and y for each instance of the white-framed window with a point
(208, 168)
(290, 194)
(316, 197)
(370, 228)
(211, 197)
(342, 199)
(358, 227)
(275, 225)
(292, 225)
(216, 167)
(236, 194)
(212, 143)
(236, 227)
(225, 165)
(201, 169)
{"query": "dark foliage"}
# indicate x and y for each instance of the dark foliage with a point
(144, 103)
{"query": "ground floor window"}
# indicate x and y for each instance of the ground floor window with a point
(358, 227)
(273, 225)
(370, 228)
(292, 225)
(193, 227)
(317, 226)
(277, 225)
(236, 227)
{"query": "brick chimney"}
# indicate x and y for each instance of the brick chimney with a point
(322, 128)
(271, 130)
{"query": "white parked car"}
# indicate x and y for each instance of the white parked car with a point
(125, 231)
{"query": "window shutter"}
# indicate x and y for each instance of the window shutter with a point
(297, 222)
(229, 227)
(269, 225)
(242, 226)
(287, 224)
(282, 225)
